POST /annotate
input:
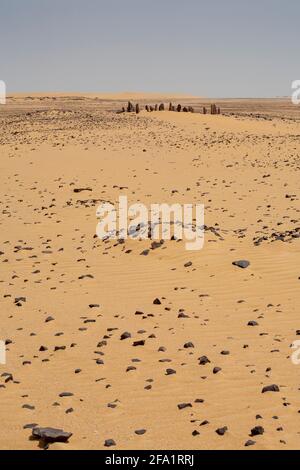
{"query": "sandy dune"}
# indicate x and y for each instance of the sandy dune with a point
(82, 294)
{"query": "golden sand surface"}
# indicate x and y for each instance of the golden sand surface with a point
(81, 293)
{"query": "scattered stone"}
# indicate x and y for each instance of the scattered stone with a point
(203, 360)
(222, 431)
(250, 443)
(257, 431)
(182, 406)
(49, 319)
(28, 407)
(139, 343)
(188, 264)
(109, 443)
(125, 335)
(51, 434)
(241, 263)
(270, 388)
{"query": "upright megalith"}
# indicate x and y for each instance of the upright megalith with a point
(161, 107)
(213, 109)
(137, 108)
(130, 107)
(179, 108)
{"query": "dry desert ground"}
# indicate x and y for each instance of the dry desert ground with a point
(193, 363)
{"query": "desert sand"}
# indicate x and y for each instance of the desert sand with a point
(67, 297)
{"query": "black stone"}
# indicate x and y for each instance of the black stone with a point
(51, 434)
(241, 263)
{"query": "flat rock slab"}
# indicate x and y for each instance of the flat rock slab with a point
(51, 434)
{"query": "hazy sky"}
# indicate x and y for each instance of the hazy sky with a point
(217, 48)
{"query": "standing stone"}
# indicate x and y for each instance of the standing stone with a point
(137, 108)
(130, 107)
(179, 108)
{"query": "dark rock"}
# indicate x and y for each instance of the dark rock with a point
(258, 430)
(170, 371)
(139, 343)
(203, 360)
(8, 377)
(145, 252)
(188, 345)
(250, 443)
(222, 431)
(28, 407)
(241, 263)
(270, 388)
(182, 406)
(49, 319)
(109, 443)
(188, 264)
(125, 335)
(59, 348)
(79, 190)
(51, 434)
(130, 107)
